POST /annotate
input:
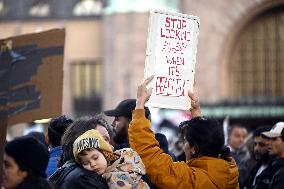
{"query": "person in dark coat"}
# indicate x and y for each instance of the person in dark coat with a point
(72, 175)
(24, 165)
(252, 175)
(276, 135)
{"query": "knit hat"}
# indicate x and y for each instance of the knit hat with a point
(29, 153)
(38, 135)
(92, 139)
(125, 108)
(56, 129)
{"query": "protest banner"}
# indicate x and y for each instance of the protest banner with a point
(171, 57)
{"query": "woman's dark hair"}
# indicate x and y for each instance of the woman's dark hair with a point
(77, 128)
(35, 182)
(208, 137)
(258, 131)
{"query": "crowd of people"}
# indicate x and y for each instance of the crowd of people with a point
(90, 153)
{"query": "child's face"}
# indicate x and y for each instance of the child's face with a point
(93, 160)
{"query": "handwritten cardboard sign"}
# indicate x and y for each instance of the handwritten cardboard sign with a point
(31, 76)
(171, 57)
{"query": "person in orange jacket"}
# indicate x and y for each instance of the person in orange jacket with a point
(208, 164)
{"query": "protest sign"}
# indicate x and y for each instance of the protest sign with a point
(31, 76)
(171, 57)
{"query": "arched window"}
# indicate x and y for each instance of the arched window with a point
(257, 65)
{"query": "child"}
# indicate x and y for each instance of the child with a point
(121, 169)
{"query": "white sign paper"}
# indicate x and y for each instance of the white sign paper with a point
(171, 56)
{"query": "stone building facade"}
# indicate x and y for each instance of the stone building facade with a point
(111, 47)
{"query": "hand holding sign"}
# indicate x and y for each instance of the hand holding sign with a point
(143, 94)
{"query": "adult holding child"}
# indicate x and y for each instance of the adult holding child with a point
(71, 174)
(208, 164)
(122, 168)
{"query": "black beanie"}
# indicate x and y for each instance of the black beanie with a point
(56, 129)
(29, 153)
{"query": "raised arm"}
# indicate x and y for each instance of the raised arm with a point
(160, 168)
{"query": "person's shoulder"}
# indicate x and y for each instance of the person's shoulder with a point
(73, 172)
(56, 151)
(281, 162)
(83, 179)
(277, 163)
(79, 171)
(281, 167)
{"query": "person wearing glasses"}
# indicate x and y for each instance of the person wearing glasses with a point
(208, 162)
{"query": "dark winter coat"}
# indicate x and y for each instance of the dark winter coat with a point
(269, 177)
(278, 178)
(72, 175)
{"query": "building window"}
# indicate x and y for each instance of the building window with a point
(86, 87)
(40, 8)
(257, 67)
(88, 8)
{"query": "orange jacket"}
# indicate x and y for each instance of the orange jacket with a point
(204, 172)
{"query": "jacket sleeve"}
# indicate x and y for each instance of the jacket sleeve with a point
(160, 168)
